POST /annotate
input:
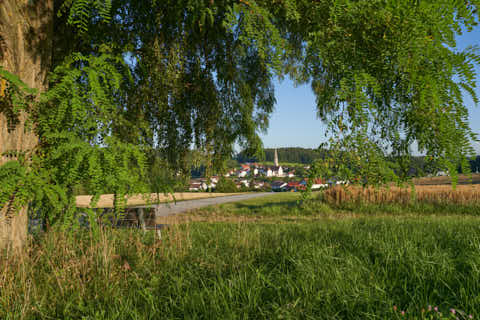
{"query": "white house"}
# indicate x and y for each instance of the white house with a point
(245, 183)
(269, 172)
(317, 184)
(278, 171)
(242, 174)
(258, 185)
(275, 172)
(197, 186)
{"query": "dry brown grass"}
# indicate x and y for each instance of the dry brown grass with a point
(463, 194)
(106, 200)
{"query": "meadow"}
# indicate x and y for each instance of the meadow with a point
(268, 258)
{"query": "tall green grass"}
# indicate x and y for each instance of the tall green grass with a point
(291, 204)
(327, 269)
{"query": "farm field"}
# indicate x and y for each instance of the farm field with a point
(439, 194)
(462, 179)
(260, 259)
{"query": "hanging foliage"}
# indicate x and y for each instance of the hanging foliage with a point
(135, 78)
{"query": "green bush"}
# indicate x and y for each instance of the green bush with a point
(226, 186)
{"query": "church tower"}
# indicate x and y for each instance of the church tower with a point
(275, 161)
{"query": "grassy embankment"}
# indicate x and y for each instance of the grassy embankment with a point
(262, 259)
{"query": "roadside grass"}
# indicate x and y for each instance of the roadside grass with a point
(329, 269)
(276, 205)
(291, 204)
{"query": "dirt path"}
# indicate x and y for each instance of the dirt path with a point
(167, 209)
(106, 200)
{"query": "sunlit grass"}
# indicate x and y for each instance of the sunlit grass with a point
(268, 258)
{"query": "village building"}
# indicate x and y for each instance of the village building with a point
(229, 173)
(295, 186)
(317, 183)
(197, 186)
(258, 184)
(242, 173)
(278, 186)
(277, 170)
(245, 183)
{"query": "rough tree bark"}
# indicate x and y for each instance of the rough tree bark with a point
(26, 29)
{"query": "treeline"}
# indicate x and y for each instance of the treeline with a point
(294, 155)
(291, 155)
(475, 164)
(307, 156)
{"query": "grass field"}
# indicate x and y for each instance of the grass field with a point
(269, 258)
(432, 194)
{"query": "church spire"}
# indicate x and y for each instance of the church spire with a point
(275, 161)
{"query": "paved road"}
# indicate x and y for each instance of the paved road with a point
(166, 209)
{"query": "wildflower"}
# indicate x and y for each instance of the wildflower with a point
(403, 313)
(429, 308)
(394, 308)
(436, 309)
(470, 316)
(452, 311)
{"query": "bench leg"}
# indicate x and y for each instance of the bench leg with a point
(141, 219)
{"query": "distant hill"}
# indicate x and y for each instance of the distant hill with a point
(475, 164)
(307, 156)
(291, 155)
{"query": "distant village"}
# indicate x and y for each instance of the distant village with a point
(259, 177)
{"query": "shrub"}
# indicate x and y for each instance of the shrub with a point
(226, 185)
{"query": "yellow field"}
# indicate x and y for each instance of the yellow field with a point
(106, 200)
(463, 194)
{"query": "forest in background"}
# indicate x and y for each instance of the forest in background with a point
(308, 156)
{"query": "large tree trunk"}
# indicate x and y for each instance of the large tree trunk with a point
(26, 29)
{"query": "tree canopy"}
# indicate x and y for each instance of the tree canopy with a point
(126, 77)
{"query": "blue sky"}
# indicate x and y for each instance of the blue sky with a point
(294, 122)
